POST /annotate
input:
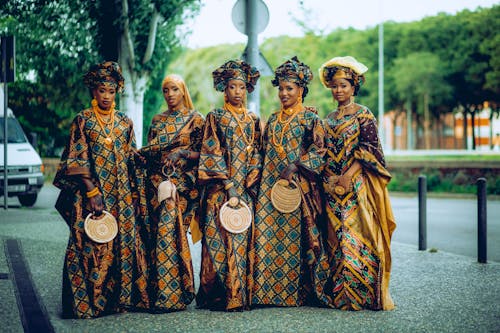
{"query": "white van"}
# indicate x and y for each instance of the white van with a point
(25, 169)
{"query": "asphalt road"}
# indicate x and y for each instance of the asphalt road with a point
(451, 223)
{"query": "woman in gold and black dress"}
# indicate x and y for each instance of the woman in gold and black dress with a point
(357, 207)
(172, 196)
(229, 168)
(95, 175)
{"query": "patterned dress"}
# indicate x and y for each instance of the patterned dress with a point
(171, 269)
(100, 278)
(226, 270)
(287, 245)
(360, 222)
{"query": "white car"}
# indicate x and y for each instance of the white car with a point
(25, 168)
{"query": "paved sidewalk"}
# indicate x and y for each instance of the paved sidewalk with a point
(433, 292)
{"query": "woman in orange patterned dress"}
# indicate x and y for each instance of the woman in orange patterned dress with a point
(229, 168)
(94, 175)
(357, 206)
(172, 153)
(287, 244)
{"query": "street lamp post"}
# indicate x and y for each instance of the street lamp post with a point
(381, 127)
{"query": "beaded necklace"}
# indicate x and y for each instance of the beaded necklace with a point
(292, 113)
(242, 110)
(341, 109)
(99, 113)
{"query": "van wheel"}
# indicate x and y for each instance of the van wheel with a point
(27, 200)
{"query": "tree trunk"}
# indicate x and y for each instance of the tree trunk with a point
(409, 132)
(426, 122)
(466, 146)
(132, 103)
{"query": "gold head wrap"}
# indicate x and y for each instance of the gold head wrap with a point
(179, 82)
(342, 68)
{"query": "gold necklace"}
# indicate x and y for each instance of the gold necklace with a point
(102, 123)
(234, 111)
(292, 113)
(341, 109)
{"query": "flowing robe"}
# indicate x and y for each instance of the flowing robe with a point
(100, 278)
(171, 270)
(288, 250)
(226, 267)
(360, 222)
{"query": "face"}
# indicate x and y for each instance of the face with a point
(288, 93)
(342, 90)
(235, 92)
(105, 96)
(173, 96)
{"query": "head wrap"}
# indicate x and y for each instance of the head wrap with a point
(235, 70)
(179, 82)
(342, 68)
(293, 71)
(106, 73)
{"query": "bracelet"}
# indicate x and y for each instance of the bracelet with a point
(228, 186)
(92, 193)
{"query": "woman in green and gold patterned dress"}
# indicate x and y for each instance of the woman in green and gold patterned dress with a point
(229, 168)
(95, 174)
(171, 155)
(357, 207)
(287, 244)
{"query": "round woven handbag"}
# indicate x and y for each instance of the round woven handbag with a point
(235, 217)
(101, 229)
(285, 196)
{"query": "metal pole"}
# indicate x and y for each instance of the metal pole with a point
(481, 221)
(252, 51)
(422, 213)
(381, 127)
(5, 116)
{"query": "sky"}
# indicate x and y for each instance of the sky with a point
(214, 25)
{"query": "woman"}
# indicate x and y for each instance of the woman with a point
(94, 176)
(287, 245)
(357, 202)
(229, 168)
(172, 153)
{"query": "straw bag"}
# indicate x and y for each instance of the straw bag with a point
(235, 216)
(285, 196)
(101, 229)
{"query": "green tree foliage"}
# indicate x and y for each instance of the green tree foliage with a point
(57, 41)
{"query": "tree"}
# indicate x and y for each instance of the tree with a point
(420, 79)
(143, 36)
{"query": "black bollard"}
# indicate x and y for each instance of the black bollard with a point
(422, 213)
(481, 221)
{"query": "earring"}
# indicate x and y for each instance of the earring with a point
(113, 105)
(94, 102)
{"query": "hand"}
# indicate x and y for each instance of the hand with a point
(174, 157)
(289, 172)
(231, 193)
(96, 205)
(344, 181)
(139, 158)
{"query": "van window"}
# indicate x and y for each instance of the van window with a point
(16, 134)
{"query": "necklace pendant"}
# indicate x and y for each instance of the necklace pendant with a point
(249, 148)
(281, 151)
(108, 141)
